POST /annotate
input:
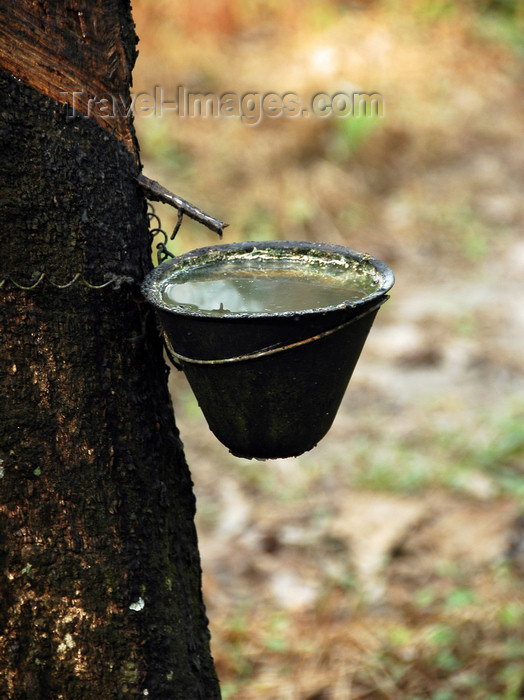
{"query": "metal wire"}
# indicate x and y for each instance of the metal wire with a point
(117, 280)
(162, 251)
(179, 359)
(39, 278)
(153, 190)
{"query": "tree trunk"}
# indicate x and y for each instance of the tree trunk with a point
(99, 568)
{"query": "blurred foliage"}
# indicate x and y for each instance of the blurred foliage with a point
(434, 187)
(351, 135)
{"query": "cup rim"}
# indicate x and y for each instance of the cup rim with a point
(154, 282)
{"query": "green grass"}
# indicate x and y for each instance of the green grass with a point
(491, 442)
(503, 25)
(350, 134)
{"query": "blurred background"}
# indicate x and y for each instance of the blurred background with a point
(388, 562)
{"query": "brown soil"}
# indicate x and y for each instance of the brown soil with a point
(385, 563)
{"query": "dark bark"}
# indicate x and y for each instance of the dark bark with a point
(63, 47)
(99, 567)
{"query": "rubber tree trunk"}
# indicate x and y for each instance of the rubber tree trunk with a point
(100, 585)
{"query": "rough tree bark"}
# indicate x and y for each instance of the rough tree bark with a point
(99, 568)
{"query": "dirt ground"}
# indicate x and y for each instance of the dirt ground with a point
(337, 560)
(388, 561)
